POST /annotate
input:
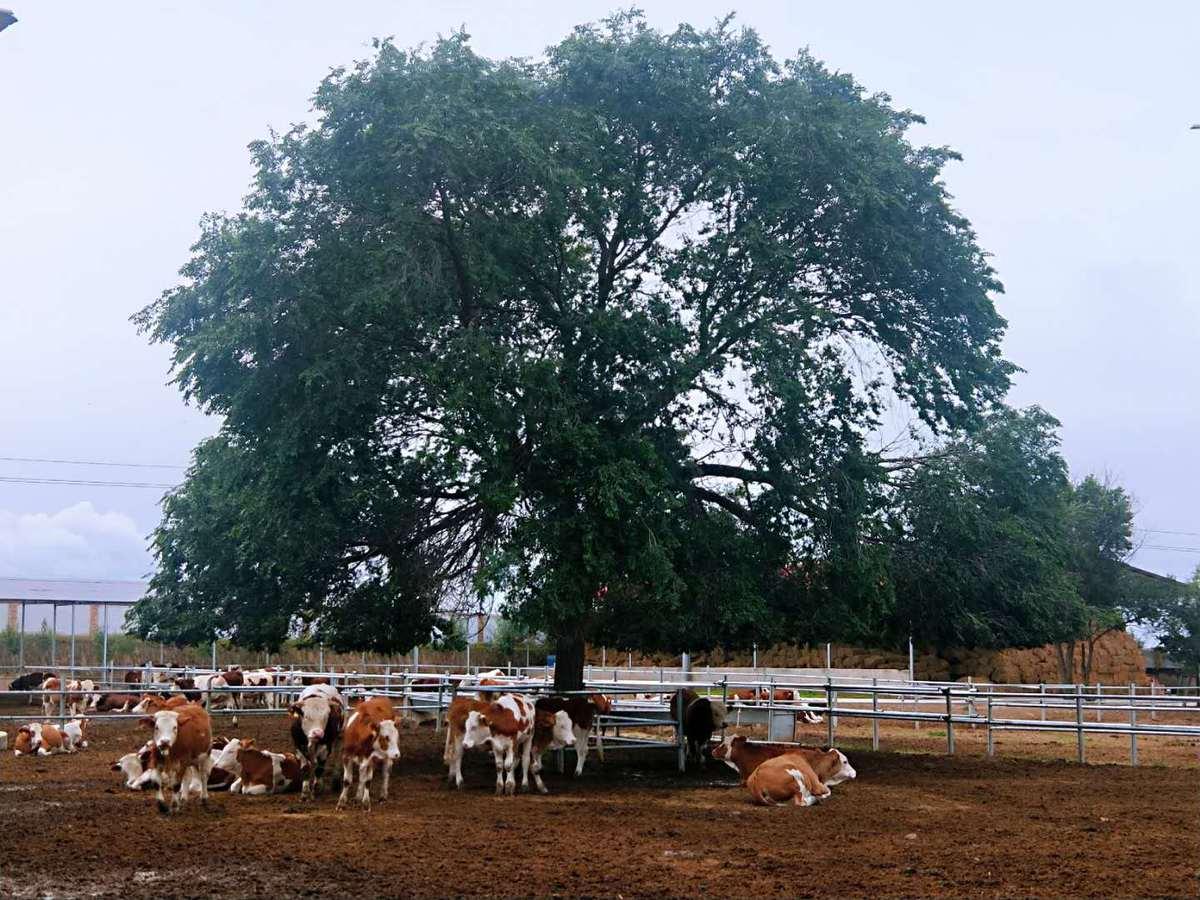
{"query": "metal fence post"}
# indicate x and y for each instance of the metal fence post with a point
(949, 723)
(104, 652)
(72, 639)
(679, 725)
(1079, 721)
(214, 654)
(437, 722)
(1132, 725)
(1042, 687)
(53, 635)
(829, 709)
(21, 641)
(991, 749)
(875, 713)
(1099, 702)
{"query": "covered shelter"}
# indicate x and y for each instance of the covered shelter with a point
(98, 595)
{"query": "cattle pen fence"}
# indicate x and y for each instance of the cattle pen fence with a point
(643, 715)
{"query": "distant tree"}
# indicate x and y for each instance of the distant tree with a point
(980, 543)
(607, 331)
(1178, 626)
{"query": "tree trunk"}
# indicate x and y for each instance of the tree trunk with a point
(569, 652)
(1066, 661)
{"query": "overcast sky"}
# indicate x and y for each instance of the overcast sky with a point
(120, 124)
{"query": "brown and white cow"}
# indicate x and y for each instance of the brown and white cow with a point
(111, 702)
(456, 723)
(786, 778)
(50, 700)
(80, 695)
(551, 731)
(264, 772)
(317, 730)
(40, 738)
(507, 725)
(584, 713)
(371, 742)
(182, 743)
(744, 756)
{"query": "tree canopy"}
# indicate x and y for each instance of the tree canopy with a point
(609, 331)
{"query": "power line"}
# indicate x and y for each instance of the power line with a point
(1172, 549)
(27, 479)
(1164, 531)
(88, 462)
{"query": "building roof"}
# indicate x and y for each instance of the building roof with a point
(68, 591)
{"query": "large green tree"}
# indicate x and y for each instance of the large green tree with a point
(607, 330)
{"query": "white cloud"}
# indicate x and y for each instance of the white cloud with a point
(76, 542)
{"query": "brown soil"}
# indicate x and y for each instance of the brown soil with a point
(911, 824)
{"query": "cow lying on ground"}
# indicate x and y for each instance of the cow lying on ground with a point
(244, 769)
(80, 695)
(40, 738)
(371, 742)
(701, 717)
(744, 757)
(551, 731)
(182, 741)
(785, 778)
(114, 703)
(30, 681)
(317, 730)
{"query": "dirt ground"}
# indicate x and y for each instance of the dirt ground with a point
(912, 824)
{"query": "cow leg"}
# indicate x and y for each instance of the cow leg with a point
(526, 753)
(386, 766)
(498, 756)
(366, 769)
(205, 769)
(456, 757)
(347, 782)
(581, 748)
(599, 740)
(510, 764)
(166, 802)
(537, 774)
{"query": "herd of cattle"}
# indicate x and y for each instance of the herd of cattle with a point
(182, 758)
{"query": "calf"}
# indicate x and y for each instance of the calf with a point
(783, 778)
(182, 741)
(133, 676)
(371, 742)
(263, 678)
(234, 678)
(701, 717)
(744, 757)
(80, 695)
(209, 684)
(507, 724)
(316, 730)
(551, 731)
(50, 700)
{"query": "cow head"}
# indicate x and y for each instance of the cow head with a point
(835, 768)
(24, 741)
(36, 739)
(387, 740)
(724, 751)
(226, 757)
(165, 723)
(563, 734)
(312, 713)
(477, 731)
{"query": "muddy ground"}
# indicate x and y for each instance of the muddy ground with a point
(912, 824)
